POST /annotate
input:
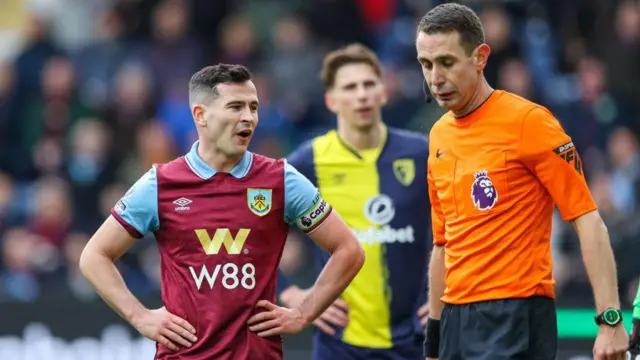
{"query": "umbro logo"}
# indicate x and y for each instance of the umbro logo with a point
(182, 204)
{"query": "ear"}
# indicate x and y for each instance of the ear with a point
(482, 56)
(198, 111)
(329, 102)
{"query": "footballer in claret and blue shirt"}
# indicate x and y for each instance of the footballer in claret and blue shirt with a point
(220, 234)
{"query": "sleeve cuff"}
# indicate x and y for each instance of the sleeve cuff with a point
(130, 229)
(571, 217)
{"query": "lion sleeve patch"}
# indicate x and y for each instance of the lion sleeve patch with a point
(314, 216)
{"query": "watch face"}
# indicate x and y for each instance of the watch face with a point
(611, 316)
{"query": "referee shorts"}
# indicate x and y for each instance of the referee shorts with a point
(522, 329)
(326, 347)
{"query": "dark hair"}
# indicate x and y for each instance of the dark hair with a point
(451, 17)
(351, 54)
(204, 82)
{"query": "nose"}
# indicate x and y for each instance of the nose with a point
(247, 115)
(436, 77)
(362, 93)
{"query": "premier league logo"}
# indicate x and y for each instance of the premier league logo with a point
(483, 192)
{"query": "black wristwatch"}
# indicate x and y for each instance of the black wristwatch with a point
(610, 317)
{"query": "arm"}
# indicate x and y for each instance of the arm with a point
(301, 161)
(135, 214)
(636, 305)
(598, 259)
(437, 269)
(108, 244)
(347, 258)
(549, 153)
(314, 216)
(634, 343)
(436, 281)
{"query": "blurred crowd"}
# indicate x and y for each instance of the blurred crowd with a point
(93, 92)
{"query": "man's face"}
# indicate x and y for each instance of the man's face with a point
(451, 74)
(229, 120)
(357, 95)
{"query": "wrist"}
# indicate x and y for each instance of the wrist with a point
(303, 315)
(134, 316)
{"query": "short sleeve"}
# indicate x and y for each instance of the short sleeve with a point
(304, 206)
(137, 210)
(437, 218)
(551, 156)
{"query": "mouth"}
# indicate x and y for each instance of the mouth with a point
(245, 134)
(364, 111)
(444, 94)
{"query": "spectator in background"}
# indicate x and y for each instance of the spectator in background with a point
(90, 168)
(498, 34)
(132, 104)
(7, 114)
(47, 118)
(238, 43)
(173, 56)
(52, 212)
(98, 62)
(18, 278)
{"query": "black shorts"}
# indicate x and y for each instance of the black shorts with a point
(500, 330)
(326, 347)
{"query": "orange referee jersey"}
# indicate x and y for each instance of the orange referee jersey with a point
(494, 177)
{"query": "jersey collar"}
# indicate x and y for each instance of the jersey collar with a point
(361, 154)
(204, 171)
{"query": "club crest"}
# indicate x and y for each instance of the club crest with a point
(404, 170)
(483, 193)
(259, 201)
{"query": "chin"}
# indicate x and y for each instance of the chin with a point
(451, 105)
(364, 124)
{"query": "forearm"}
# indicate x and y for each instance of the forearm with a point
(343, 265)
(600, 265)
(636, 305)
(102, 273)
(436, 281)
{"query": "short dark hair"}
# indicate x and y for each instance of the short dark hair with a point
(351, 54)
(452, 17)
(204, 82)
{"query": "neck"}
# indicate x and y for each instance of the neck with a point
(361, 139)
(481, 94)
(216, 159)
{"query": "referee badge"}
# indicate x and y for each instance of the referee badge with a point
(259, 201)
(404, 170)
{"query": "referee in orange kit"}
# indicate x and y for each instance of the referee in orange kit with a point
(497, 165)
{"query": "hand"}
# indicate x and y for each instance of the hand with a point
(423, 314)
(611, 343)
(634, 341)
(276, 320)
(166, 329)
(336, 314)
